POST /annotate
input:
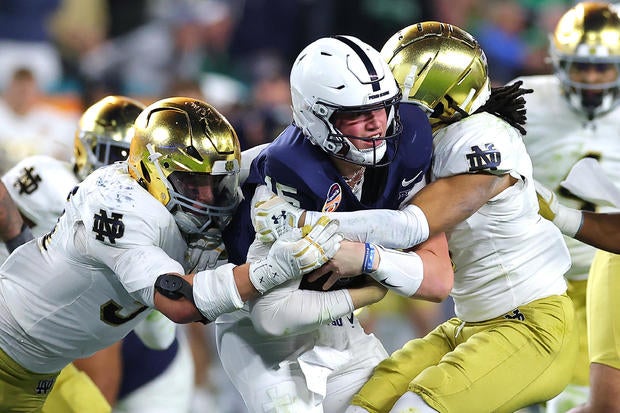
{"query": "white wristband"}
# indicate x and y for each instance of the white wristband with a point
(215, 292)
(263, 277)
(401, 272)
(568, 220)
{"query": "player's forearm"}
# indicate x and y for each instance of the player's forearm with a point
(392, 229)
(246, 289)
(286, 311)
(601, 231)
(367, 295)
(10, 219)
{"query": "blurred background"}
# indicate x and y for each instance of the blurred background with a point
(236, 54)
(57, 57)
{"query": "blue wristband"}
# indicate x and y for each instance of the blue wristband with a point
(369, 258)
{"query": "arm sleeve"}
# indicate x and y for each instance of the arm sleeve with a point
(287, 310)
(392, 229)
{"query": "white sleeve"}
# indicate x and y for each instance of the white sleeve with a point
(156, 331)
(391, 229)
(287, 309)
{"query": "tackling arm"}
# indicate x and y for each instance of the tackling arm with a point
(433, 210)
(290, 310)
(601, 230)
(205, 295)
(13, 230)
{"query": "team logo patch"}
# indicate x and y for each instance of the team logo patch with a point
(481, 159)
(28, 181)
(111, 227)
(515, 315)
(334, 196)
(44, 386)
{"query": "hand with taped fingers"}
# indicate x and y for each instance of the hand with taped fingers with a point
(296, 253)
(274, 216)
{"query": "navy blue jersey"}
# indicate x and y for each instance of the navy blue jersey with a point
(304, 175)
(142, 364)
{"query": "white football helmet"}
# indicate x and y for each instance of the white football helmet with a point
(342, 73)
(588, 34)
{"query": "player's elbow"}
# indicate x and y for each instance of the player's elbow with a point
(438, 287)
(444, 285)
(179, 311)
(181, 315)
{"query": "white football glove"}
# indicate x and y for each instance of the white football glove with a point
(568, 220)
(274, 217)
(204, 251)
(293, 254)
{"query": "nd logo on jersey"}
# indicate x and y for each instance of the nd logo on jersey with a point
(28, 181)
(481, 159)
(111, 227)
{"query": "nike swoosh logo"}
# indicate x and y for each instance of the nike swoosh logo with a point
(387, 284)
(406, 182)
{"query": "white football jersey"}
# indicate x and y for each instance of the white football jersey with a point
(88, 282)
(557, 137)
(505, 254)
(39, 186)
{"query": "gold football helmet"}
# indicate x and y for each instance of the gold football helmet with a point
(586, 37)
(103, 133)
(187, 155)
(439, 67)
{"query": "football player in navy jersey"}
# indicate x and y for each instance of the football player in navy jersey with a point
(512, 343)
(349, 148)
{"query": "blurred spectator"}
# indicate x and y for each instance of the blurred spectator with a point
(29, 125)
(134, 58)
(270, 33)
(513, 34)
(78, 27)
(375, 21)
(462, 13)
(267, 113)
(25, 41)
(500, 36)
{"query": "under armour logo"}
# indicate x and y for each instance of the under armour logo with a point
(111, 227)
(28, 181)
(44, 386)
(516, 315)
(276, 218)
(489, 158)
